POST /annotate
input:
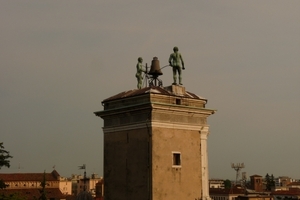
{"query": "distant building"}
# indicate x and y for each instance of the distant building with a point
(65, 186)
(75, 179)
(294, 185)
(290, 194)
(100, 190)
(256, 183)
(216, 183)
(255, 197)
(282, 181)
(226, 194)
(78, 184)
(29, 184)
(238, 193)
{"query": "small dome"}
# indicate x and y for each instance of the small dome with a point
(84, 196)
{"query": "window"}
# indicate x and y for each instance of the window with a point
(176, 159)
(178, 101)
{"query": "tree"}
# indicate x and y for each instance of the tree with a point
(12, 197)
(227, 184)
(4, 157)
(270, 182)
(4, 161)
(267, 180)
(43, 191)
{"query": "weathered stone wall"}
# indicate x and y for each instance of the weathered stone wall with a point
(176, 182)
(126, 165)
(142, 136)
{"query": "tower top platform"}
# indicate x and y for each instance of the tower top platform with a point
(173, 90)
(173, 96)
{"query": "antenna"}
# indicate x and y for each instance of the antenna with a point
(244, 175)
(237, 167)
(84, 177)
(244, 179)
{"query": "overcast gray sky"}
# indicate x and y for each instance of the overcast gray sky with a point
(60, 59)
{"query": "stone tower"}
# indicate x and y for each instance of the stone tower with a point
(256, 183)
(155, 144)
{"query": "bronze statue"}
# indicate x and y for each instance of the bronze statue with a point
(139, 71)
(175, 62)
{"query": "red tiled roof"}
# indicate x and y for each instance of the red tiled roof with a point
(150, 89)
(294, 183)
(53, 176)
(219, 191)
(292, 191)
(31, 193)
(255, 175)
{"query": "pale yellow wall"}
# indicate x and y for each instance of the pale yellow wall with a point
(30, 184)
(171, 182)
(65, 187)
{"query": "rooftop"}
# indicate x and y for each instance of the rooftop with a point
(53, 176)
(31, 193)
(173, 90)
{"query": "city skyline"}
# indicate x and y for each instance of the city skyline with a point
(61, 59)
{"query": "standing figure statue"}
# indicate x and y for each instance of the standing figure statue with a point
(175, 62)
(139, 71)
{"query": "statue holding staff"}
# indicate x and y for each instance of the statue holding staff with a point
(176, 62)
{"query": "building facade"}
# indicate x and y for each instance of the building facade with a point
(155, 144)
(282, 181)
(89, 183)
(29, 185)
(216, 183)
(226, 194)
(290, 194)
(65, 186)
(256, 183)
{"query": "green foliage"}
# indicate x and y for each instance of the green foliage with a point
(4, 156)
(227, 184)
(12, 197)
(2, 184)
(43, 190)
(270, 182)
(4, 161)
